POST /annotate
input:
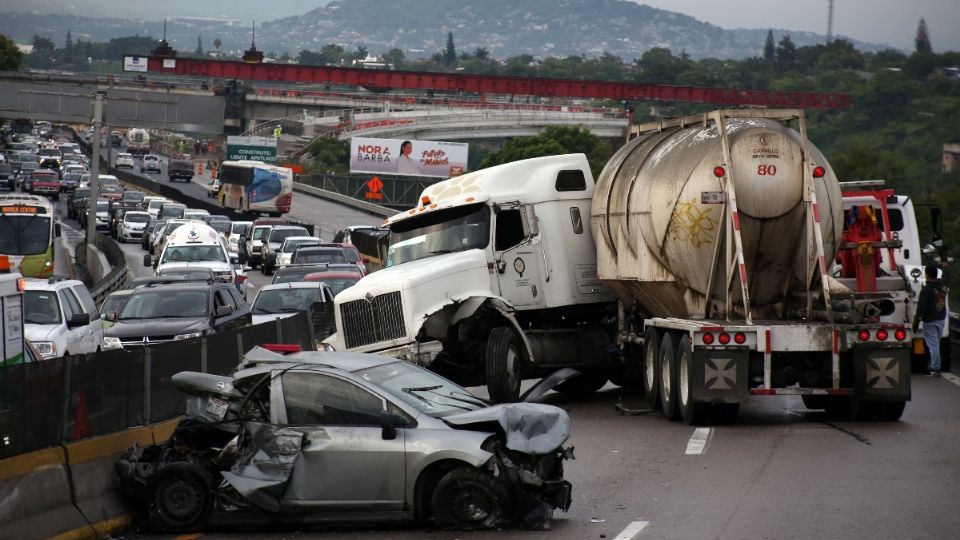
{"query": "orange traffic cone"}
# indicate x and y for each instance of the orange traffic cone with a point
(81, 420)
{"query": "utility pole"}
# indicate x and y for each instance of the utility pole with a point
(95, 170)
(829, 22)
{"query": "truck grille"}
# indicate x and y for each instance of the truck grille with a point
(372, 321)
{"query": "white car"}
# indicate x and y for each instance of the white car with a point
(213, 188)
(290, 243)
(131, 228)
(154, 203)
(125, 160)
(195, 213)
(282, 300)
(237, 229)
(61, 318)
(150, 163)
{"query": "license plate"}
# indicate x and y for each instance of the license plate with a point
(216, 407)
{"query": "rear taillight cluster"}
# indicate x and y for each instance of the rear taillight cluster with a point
(284, 201)
(882, 335)
(723, 338)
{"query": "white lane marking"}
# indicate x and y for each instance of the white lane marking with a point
(632, 530)
(951, 377)
(698, 441)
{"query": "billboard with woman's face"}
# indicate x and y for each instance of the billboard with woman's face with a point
(407, 157)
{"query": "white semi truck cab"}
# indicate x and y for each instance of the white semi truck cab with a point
(492, 278)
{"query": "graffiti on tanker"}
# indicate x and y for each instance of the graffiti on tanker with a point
(692, 223)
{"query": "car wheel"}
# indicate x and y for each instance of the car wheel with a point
(502, 363)
(668, 375)
(179, 498)
(470, 499)
(651, 368)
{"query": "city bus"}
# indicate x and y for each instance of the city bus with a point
(255, 187)
(27, 232)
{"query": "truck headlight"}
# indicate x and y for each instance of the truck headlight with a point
(191, 335)
(111, 343)
(47, 349)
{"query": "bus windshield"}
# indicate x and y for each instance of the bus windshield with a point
(24, 235)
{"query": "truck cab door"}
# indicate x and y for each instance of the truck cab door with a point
(519, 260)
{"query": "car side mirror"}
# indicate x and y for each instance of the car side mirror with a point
(111, 316)
(56, 230)
(387, 426)
(78, 319)
(234, 259)
(223, 311)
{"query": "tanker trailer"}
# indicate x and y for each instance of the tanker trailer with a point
(715, 233)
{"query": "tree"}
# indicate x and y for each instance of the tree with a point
(216, 45)
(923, 38)
(43, 45)
(552, 141)
(450, 52)
(658, 66)
(481, 53)
(199, 50)
(786, 54)
(330, 155)
(394, 58)
(10, 56)
(769, 49)
(68, 44)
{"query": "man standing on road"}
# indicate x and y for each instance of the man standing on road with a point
(932, 311)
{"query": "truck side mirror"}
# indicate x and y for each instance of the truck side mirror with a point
(936, 223)
(147, 260)
(56, 230)
(530, 226)
(78, 319)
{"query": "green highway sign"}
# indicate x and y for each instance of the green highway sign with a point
(254, 148)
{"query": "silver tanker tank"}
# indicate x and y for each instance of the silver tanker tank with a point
(656, 238)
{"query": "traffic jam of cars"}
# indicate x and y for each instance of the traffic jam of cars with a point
(308, 436)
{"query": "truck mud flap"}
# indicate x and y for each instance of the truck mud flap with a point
(882, 374)
(720, 376)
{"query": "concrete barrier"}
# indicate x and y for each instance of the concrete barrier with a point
(97, 265)
(71, 492)
(36, 499)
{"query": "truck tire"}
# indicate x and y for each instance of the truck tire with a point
(847, 408)
(668, 375)
(651, 368)
(691, 412)
(502, 358)
(889, 411)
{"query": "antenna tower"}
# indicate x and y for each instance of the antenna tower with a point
(829, 22)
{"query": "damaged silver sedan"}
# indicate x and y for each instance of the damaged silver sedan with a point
(321, 437)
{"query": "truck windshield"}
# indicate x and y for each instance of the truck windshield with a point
(444, 231)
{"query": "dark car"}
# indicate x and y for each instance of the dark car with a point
(8, 178)
(132, 199)
(160, 313)
(298, 272)
(148, 230)
(77, 202)
(315, 255)
(70, 180)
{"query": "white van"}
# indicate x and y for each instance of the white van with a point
(61, 318)
(196, 244)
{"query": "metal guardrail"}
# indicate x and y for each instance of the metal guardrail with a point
(346, 200)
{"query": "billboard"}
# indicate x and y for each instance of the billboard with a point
(135, 63)
(255, 148)
(407, 157)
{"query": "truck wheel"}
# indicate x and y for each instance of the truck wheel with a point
(692, 413)
(668, 375)
(847, 408)
(469, 499)
(889, 411)
(814, 401)
(588, 383)
(651, 368)
(179, 498)
(502, 360)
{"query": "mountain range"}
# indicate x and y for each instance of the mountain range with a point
(505, 28)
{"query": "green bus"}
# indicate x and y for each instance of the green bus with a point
(27, 232)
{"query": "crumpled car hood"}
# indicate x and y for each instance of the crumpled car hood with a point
(531, 428)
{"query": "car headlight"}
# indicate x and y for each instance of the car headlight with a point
(47, 349)
(111, 343)
(191, 335)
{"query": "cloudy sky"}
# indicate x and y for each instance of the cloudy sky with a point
(876, 21)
